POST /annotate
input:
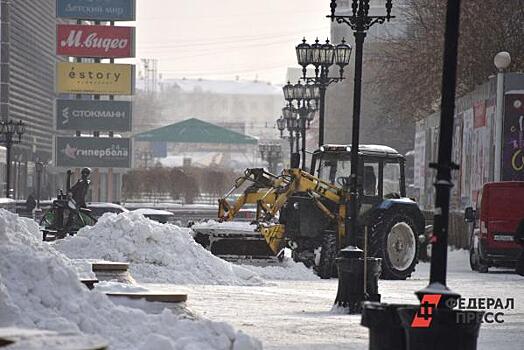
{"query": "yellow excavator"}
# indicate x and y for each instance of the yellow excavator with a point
(308, 213)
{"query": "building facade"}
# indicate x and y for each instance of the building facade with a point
(474, 138)
(27, 61)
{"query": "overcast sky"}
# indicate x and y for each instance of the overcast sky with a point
(222, 39)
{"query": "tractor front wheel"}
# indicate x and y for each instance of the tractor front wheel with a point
(394, 239)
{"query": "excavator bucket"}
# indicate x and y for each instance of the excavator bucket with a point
(233, 241)
(274, 236)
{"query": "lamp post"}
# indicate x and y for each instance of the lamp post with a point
(293, 127)
(351, 262)
(502, 61)
(306, 107)
(39, 167)
(322, 57)
(360, 21)
(8, 130)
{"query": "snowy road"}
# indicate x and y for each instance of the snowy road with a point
(295, 314)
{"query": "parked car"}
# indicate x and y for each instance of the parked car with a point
(500, 208)
(162, 216)
(100, 208)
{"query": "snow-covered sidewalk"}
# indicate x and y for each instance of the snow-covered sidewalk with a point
(296, 314)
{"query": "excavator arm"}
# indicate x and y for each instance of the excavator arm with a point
(262, 182)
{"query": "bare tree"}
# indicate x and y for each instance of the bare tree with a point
(408, 70)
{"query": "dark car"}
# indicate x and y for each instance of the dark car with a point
(162, 216)
(100, 208)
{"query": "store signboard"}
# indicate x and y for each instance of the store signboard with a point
(93, 115)
(96, 152)
(95, 78)
(95, 41)
(99, 10)
(513, 137)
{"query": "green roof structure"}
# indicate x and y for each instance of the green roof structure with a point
(195, 131)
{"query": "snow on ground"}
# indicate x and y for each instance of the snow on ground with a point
(39, 288)
(296, 314)
(157, 253)
(230, 226)
(287, 269)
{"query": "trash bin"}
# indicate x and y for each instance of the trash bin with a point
(449, 329)
(385, 328)
(350, 292)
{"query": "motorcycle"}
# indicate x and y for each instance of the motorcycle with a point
(65, 217)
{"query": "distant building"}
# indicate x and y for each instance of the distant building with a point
(248, 106)
(27, 61)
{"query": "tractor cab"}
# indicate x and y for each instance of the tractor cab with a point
(381, 170)
(394, 221)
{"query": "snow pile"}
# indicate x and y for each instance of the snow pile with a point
(39, 289)
(157, 253)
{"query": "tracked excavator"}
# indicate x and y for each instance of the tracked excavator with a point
(307, 212)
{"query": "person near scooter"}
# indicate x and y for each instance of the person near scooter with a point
(79, 191)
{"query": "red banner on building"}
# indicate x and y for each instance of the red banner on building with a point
(95, 41)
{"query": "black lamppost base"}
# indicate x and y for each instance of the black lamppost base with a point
(448, 298)
(351, 293)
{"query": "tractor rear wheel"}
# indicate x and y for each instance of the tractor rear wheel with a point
(394, 239)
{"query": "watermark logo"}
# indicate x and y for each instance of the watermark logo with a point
(465, 310)
(424, 316)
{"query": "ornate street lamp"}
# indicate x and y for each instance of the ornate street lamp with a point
(360, 21)
(322, 57)
(305, 96)
(8, 130)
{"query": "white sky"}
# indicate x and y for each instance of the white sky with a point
(222, 39)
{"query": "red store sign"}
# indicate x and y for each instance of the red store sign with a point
(95, 41)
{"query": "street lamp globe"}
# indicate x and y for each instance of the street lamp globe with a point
(316, 54)
(299, 91)
(308, 93)
(327, 54)
(342, 54)
(281, 124)
(288, 92)
(304, 53)
(10, 127)
(20, 128)
(502, 60)
(287, 112)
